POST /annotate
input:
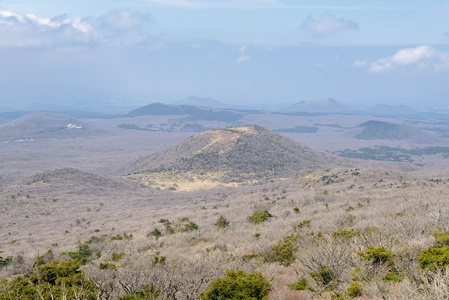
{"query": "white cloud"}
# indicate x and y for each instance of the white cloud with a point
(243, 58)
(29, 30)
(243, 48)
(124, 20)
(328, 24)
(360, 63)
(422, 57)
(114, 28)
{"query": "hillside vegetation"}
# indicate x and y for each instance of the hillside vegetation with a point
(229, 156)
(268, 219)
(341, 233)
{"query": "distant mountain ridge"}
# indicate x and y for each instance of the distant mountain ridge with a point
(193, 112)
(329, 105)
(39, 125)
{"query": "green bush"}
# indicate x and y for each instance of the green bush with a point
(354, 290)
(55, 280)
(260, 216)
(5, 261)
(237, 285)
(117, 256)
(441, 238)
(189, 227)
(156, 233)
(107, 266)
(147, 292)
(345, 234)
(435, 257)
(301, 285)
(283, 253)
(168, 227)
(379, 255)
(324, 277)
(222, 222)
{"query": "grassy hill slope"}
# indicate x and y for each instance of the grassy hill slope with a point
(229, 156)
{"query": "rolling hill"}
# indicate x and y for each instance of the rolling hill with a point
(39, 125)
(378, 130)
(324, 106)
(229, 156)
(191, 112)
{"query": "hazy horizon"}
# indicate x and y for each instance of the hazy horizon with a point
(256, 53)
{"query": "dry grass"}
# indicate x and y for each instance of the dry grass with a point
(404, 210)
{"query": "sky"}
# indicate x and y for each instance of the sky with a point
(261, 53)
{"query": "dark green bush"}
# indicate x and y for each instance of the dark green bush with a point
(324, 277)
(189, 227)
(156, 233)
(237, 285)
(260, 216)
(222, 222)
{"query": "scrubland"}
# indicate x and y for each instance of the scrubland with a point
(340, 233)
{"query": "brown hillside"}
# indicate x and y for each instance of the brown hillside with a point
(39, 125)
(230, 156)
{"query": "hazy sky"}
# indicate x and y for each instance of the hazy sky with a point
(255, 52)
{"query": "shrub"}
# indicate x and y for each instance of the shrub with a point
(323, 277)
(354, 290)
(156, 233)
(346, 234)
(434, 257)
(301, 285)
(146, 292)
(379, 255)
(260, 216)
(247, 257)
(189, 227)
(56, 280)
(441, 238)
(117, 256)
(237, 285)
(283, 253)
(5, 261)
(108, 266)
(222, 222)
(302, 224)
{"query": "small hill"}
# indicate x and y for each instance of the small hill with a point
(378, 130)
(324, 106)
(68, 188)
(191, 112)
(39, 125)
(197, 101)
(229, 156)
(71, 181)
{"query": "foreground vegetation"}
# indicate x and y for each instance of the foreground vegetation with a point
(337, 234)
